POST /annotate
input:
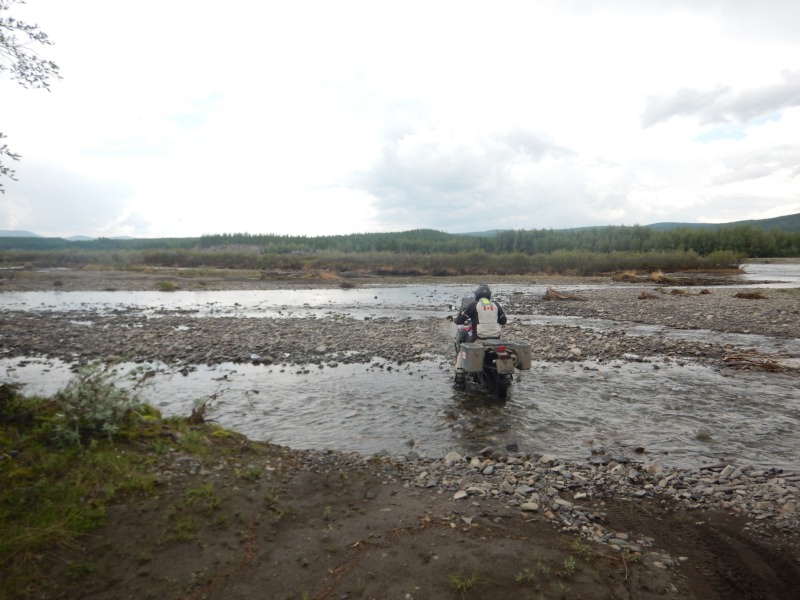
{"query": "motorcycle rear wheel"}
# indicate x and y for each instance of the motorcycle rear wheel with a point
(494, 383)
(501, 385)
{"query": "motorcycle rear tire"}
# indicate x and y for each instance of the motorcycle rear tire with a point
(501, 387)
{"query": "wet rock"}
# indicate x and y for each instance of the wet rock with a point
(452, 458)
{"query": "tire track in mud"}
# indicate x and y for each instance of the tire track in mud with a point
(718, 556)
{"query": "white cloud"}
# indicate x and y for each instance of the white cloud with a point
(190, 117)
(722, 105)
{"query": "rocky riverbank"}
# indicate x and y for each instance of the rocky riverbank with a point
(182, 336)
(571, 495)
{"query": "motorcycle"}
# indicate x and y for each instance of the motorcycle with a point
(488, 364)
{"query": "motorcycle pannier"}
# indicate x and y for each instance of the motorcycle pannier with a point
(472, 357)
(523, 352)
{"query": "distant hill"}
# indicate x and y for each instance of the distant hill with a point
(20, 233)
(790, 223)
(17, 233)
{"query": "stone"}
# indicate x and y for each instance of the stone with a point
(562, 503)
(451, 458)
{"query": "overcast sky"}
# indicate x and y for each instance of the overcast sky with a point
(188, 117)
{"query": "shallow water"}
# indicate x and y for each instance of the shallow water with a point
(415, 301)
(778, 274)
(682, 415)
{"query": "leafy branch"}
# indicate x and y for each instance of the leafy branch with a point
(26, 67)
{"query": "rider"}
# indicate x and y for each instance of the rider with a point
(486, 316)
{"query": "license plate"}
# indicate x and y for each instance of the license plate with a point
(504, 365)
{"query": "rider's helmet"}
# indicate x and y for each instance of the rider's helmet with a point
(483, 291)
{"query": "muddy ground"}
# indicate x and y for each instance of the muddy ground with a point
(306, 524)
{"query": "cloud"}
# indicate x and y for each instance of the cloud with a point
(54, 201)
(722, 105)
(196, 113)
(447, 179)
(762, 163)
(685, 102)
(528, 114)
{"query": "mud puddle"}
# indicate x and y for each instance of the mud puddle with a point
(685, 416)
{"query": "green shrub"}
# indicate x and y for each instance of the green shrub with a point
(91, 404)
(167, 286)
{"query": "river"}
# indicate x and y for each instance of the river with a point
(682, 414)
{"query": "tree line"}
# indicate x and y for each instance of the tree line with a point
(746, 240)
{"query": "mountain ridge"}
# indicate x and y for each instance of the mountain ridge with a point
(789, 223)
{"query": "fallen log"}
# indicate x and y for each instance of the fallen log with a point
(755, 362)
(553, 294)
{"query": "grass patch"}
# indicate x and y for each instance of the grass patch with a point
(628, 276)
(204, 498)
(66, 459)
(166, 286)
(569, 567)
(463, 585)
(583, 551)
(79, 569)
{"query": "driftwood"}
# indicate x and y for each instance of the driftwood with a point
(553, 294)
(751, 295)
(753, 361)
(682, 292)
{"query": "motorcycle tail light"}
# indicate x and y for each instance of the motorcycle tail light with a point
(500, 348)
